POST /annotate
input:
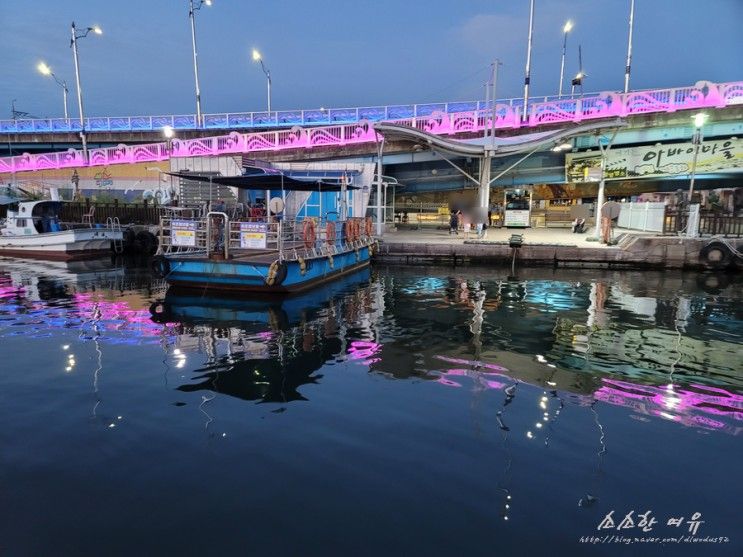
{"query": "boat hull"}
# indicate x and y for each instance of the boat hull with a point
(245, 276)
(66, 245)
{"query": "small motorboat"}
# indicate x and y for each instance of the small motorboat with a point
(33, 229)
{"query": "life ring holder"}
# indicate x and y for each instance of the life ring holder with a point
(309, 235)
(330, 232)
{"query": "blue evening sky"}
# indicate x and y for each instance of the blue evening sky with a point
(350, 53)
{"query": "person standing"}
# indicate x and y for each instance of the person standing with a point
(453, 223)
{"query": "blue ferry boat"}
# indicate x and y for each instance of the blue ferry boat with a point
(274, 249)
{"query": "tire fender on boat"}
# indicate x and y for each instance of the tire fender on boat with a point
(716, 255)
(160, 266)
(146, 242)
(330, 261)
(276, 273)
(302, 266)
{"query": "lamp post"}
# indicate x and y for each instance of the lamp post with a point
(577, 80)
(629, 46)
(258, 58)
(169, 133)
(192, 16)
(46, 70)
(73, 44)
(697, 138)
(565, 30)
(527, 77)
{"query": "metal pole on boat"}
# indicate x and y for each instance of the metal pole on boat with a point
(527, 78)
(344, 198)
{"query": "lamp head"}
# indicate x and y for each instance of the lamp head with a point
(43, 68)
(700, 119)
(97, 30)
(256, 55)
(568, 26)
(168, 132)
(208, 2)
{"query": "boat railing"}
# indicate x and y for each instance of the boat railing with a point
(291, 239)
(323, 237)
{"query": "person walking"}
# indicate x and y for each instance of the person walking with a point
(453, 223)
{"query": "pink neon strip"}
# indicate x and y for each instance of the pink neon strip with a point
(607, 105)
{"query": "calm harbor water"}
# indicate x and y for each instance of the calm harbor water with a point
(401, 411)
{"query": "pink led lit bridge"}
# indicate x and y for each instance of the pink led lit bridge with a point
(606, 105)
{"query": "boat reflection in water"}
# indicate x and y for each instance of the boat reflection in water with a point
(264, 349)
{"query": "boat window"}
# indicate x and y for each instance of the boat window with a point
(20, 223)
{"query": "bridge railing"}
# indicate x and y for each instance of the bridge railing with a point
(606, 105)
(261, 119)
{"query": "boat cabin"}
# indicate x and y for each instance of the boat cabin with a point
(27, 218)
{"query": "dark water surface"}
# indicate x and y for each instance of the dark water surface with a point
(399, 412)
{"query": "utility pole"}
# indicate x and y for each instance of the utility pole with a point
(628, 65)
(527, 77)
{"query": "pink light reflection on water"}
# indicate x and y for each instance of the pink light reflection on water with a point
(478, 376)
(11, 291)
(118, 315)
(364, 350)
(677, 403)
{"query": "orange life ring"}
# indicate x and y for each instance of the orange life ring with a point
(349, 230)
(368, 227)
(308, 233)
(330, 232)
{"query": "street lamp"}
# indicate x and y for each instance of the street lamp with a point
(73, 43)
(258, 58)
(628, 64)
(565, 30)
(46, 70)
(697, 138)
(577, 81)
(527, 77)
(169, 133)
(192, 17)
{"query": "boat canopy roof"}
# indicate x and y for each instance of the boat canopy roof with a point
(275, 179)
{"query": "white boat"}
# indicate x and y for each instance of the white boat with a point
(33, 229)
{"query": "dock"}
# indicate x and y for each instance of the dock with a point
(547, 247)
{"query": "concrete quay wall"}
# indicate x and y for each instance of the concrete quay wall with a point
(634, 252)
